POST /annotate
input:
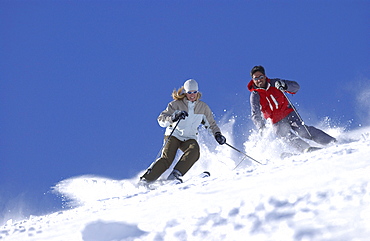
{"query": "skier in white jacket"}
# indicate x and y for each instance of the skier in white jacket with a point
(185, 113)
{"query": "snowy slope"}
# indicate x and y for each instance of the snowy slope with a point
(324, 195)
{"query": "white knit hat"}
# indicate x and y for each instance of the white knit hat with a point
(190, 84)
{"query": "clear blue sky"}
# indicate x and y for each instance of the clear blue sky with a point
(82, 82)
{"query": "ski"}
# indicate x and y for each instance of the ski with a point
(159, 183)
(202, 175)
(284, 155)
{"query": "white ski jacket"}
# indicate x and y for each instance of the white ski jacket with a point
(199, 113)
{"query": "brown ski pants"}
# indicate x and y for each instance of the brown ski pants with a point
(190, 155)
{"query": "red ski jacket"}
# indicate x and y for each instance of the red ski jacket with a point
(271, 102)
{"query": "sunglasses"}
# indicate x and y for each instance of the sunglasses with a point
(194, 92)
(258, 78)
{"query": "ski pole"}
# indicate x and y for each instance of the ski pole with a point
(244, 155)
(160, 151)
(239, 163)
(295, 110)
(168, 138)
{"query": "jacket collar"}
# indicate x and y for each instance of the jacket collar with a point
(251, 87)
(186, 101)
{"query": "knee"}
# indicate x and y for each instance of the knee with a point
(194, 151)
(166, 162)
(192, 155)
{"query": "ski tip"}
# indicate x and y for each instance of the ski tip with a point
(207, 173)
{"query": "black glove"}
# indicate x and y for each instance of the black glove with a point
(281, 85)
(220, 138)
(179, 115)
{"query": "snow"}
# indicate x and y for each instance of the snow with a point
(323, 195)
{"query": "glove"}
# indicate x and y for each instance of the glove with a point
(281, 85)
(220, 138)
(179, 115)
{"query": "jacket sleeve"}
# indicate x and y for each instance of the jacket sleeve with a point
(256, 114)
(293, 86)
(209, 121)
(164, 119)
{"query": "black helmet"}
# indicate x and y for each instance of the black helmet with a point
(257, 68)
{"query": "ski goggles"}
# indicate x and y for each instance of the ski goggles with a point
(258, 78)
(194, 92)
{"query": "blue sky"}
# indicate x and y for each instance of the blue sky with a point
(82, 82)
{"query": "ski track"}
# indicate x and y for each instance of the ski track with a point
(324, 195)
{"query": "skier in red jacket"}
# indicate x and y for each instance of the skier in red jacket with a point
(268, 101)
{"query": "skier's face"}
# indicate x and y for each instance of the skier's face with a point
(259, 80)
(192, 95)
